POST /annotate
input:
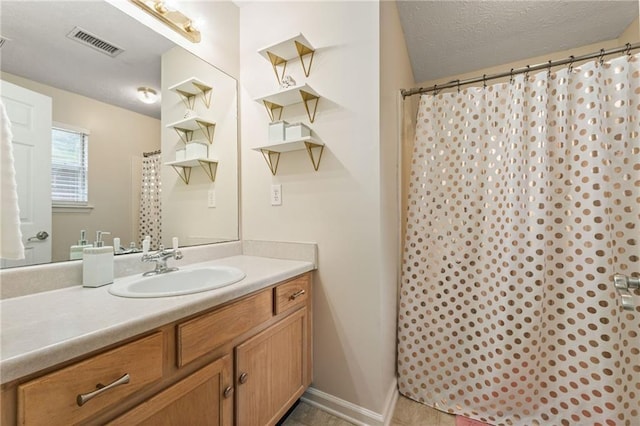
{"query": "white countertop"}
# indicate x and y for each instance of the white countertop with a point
(44, 329)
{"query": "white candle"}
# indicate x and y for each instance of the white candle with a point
(145, 245)
(175, 243)
(116, 244)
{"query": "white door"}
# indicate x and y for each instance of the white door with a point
(30, 116)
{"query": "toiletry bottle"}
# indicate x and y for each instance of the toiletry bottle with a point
(75, 251)
(97, 266)
(97, 263)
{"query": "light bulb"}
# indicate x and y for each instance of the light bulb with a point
(160, 7)
(147, 95)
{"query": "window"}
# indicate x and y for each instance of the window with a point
(69, 158)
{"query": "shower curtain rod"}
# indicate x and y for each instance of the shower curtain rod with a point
(570, 60)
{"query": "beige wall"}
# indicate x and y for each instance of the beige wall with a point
(395, 74)
(117, 139)
(349, 205)
(185, 213)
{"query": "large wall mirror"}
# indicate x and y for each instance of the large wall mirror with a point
(51, 78)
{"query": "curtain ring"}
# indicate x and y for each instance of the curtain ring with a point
(601, 59)
(526, 74)
(511, 80)
(458, 86)
(571, 59)
(628, 51)
(484, 81)
(435, 89)
(549, 69)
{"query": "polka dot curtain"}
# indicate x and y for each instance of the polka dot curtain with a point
(151, 201)
(524, 201)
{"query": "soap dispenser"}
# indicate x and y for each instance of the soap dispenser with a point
(97, 263)
(76, 251)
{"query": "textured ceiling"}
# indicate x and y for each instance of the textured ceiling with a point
(39, 50)
(445, 38)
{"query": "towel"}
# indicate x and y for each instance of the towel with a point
(11, 246)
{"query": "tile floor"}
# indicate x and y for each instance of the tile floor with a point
(407, 413)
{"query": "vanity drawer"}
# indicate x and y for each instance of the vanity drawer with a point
(53, 399)
(205, 333)
(291, 294)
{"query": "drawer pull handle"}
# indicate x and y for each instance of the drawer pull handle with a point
(243, 378)
(227, 392)
(85, 397)
(297, 294)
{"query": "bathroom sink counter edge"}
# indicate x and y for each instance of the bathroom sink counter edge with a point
(45, 329)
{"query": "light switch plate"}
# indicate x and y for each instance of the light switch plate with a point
(276, 195)
(211, 198)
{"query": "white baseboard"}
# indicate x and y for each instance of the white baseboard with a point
(351, 412)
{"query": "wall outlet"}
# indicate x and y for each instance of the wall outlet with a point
(211, 198)
(276, 195)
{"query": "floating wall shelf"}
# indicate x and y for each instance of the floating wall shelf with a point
(187, 126)
(183, 168)
(280, 53)
(271, 153)
(190, 89)
(276, 102)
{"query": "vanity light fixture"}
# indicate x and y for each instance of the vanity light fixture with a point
(147, 95)
(174, 19)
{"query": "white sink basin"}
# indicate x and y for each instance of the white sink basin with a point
(184, 281)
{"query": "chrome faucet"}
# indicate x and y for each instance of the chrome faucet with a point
(160, 258)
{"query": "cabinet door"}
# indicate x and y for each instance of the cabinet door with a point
(271, 371)
(203, 398)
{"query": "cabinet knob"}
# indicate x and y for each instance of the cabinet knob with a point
(243, 378)
(227, 392)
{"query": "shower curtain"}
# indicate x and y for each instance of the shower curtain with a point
(151, 201)
(524, 201)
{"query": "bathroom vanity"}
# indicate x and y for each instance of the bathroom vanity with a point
(236, 355)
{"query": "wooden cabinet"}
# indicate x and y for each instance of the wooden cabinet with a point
(203, 398)
(292, 294)
(206, 332)
(271, 371)
(65, 396)
(249, 359)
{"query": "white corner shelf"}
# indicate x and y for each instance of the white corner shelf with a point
(280, 53)
(183, 167)
(187, 126)
(190, 88)
(275, 102)
(271, 152)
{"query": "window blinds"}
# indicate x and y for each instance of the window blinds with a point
(69, 159)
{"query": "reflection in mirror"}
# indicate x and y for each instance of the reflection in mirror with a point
(93, 94)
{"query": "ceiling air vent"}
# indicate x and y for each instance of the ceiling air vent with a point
(88, 39)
